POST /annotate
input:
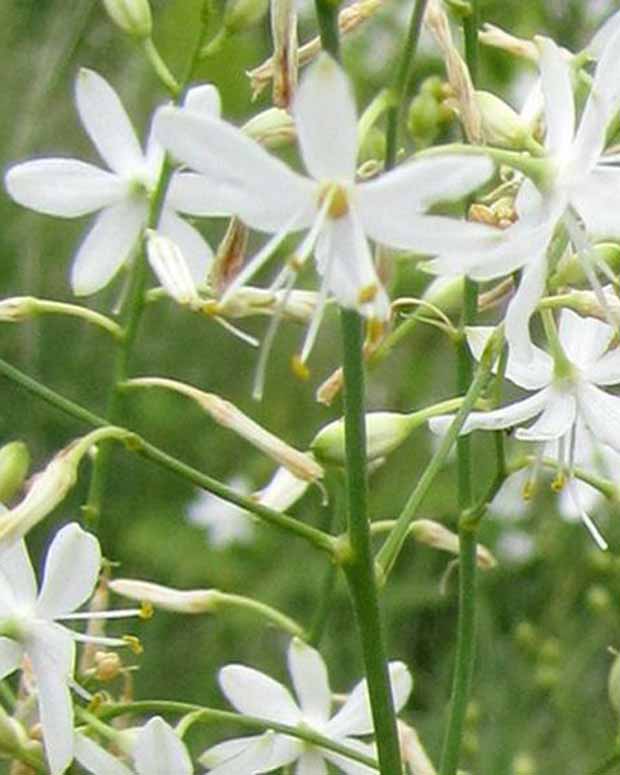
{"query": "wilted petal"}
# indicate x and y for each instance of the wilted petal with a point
(558, 93)
(64, 187)
(256, 694)
(584, 339)
(193, 246)
(107, 246)
(159, 751)
(556, 419)
(601, 413)
(310, 680)
(52, 653)
(107, 123)
(326, 121)
(71, 571)
(96, 760)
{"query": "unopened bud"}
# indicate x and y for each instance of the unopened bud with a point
(445, 293)
(501, 125)
(385, 431)
(423, 119)
(17, 308)
(13, 737)
(195, 601)
(14, 464)
(169, 265)
(132, 16)
(240, 15)
(431, 533)
(108, 665)
(282, 491)
(271, 128)
(494, 36)
(372, 147)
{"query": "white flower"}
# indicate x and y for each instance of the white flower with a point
(29, 627)
(70, 188)
(156, 750)
(560, 400)
(581, 191)
(256, 694)
(338, 213)
(225, 523)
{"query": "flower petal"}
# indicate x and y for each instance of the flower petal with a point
(196, 194)
(558, 93)
(601, 413)
(107, 246)
(521, 309)
(584, 339)
(309, 676)
(326, 121)
(355, 717)
(311, 762)
(204, 99)
(52, 653)
(256, 694)
(606, 371)
(107, 123)
(16, 569)
(415, 186)
(193, 246)
(555, 421)
(96, 760)
(71, 571)
(349, 766)
(246, 754)
(159, 751)
(64, 187)
(595, 199)
(259, 188)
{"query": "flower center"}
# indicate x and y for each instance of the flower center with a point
(336, 197)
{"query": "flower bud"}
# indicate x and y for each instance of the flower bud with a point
(501, 125)
(423, 119)
(431, 533)
(14, 464)
(242, 14)
(17, 308)
(194, 601)
(108, 665)
(169, 265)
(271, 128)
(13, 737)
(132, 16)
(384, 432)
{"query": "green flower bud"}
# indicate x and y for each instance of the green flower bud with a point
(424, 119)
(434, 86)
(132, 16)
(242, 14)
(14, 464)
(501, 125)
(613, 684)
(373, 146)
(384, 432)
(569, 270)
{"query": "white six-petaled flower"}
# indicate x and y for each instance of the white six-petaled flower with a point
(256, 694)
(69, 188)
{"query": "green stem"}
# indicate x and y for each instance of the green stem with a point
(401, 83)
(210, 716)
(150, 452)
(262, 609)
(161, 69)
(327, 18)
(391, 548)
(359, 569)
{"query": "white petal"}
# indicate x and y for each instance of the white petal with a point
(11, 654)
(16, 569)
(311, 762)
(326, 121)
(107, 123)
(521, 309)
(584, 339)
(196, 194)
(71, 572)
(606, 371)
(243, 755)
(555, 421)
(595, 199)
(204, 99)
(355, 717)
(558, 93)
(310, 680)
(195, 249)
(256, 694)
(52, 653)
(413, 187)
(159, 751)
(64, 187)
(259, 188)
(96, 760)
(349, 766)
(107, 246)
(601, 413)
(603, 35)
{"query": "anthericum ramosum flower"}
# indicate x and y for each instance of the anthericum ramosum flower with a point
(69, 188)
(580, 191)
(155, 750)
(566, 392)
(30, 626)
(256, 694)
(338, 213)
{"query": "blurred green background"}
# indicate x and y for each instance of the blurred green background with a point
(547, 617)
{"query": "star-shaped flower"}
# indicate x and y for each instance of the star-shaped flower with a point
(156, 750)
(338, 213)
(580, 190)
(256, 694)
(564, 396)
(29, 627)
(69, 188)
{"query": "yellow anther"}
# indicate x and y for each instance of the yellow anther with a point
(133, 643)
(146, 610)
(294, 263)
(557, 485)
(299, 368)
(338, 201)
(368, 294)
(375, 329)
(529, 490)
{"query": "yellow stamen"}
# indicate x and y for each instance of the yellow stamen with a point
(367, 294)
(299, 368)
(133, 643)
(146, 610)
(338, 202)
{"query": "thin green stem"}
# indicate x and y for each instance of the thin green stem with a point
(161, 69)
(272, 615)
(401, 83)
(327, 18)
(150, 452)
(391, 548)
(359, 569)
